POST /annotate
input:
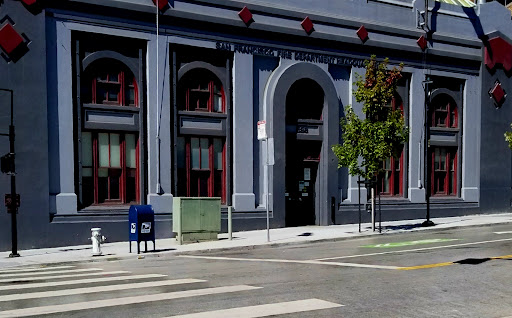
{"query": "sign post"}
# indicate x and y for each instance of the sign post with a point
(269, 143)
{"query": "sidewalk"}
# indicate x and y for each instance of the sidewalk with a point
(248, 239)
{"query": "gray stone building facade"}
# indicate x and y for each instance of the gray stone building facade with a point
(115, 104)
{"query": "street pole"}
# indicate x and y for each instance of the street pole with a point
(268, 189)
(13, 204)
(426, 147)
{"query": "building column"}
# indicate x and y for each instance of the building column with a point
(416, 191)
(63, 198)
(158, 125)
(353, 189)
(243, 136)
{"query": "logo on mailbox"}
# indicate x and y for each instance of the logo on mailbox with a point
(145, 227)
(133, 228)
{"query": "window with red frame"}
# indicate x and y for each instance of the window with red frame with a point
(109, 168)
(201, 159)
(201, 167)
(114, 85)
(444, 171)
(443, 167)
(444, 114)
(390, 182)
(202, 91)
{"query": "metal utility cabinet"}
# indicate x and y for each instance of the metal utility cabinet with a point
(196, 219)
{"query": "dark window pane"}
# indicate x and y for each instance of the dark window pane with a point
(217, 186)
(114, 77)
(131, 185)
(203, 184)
(113, 95)
(87, 190)
(131, 96)
(114, 186)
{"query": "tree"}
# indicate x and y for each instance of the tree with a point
(508, 137)
(381, 134)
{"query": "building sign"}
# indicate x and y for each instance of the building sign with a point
(262, 130)
(288, 54)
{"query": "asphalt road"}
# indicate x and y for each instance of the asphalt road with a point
(437, 273)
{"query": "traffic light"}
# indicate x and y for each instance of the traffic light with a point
(7, 163)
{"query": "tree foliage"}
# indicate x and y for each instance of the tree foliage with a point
(381, 134)
(508, 137)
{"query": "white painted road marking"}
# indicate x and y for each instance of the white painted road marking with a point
(98, 289)
(314, 262)
(32, 269)
(81, 281)
(505, 232)
(29, 279)
(82, 270)
(265, 310)
(412, 250)
(37, 311)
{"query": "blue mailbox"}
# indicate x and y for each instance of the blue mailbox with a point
(141, 219)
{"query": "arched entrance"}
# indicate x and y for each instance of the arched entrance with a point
(303, 112)
(304, 106)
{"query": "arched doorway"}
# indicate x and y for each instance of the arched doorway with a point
(304, 107)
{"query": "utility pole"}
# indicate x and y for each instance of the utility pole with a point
(12, 201)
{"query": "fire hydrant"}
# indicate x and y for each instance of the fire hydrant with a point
(96, 239)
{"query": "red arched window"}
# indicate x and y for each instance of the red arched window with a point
(109, 158)
(201, 155)
(113, 84)
(443, 165)
(201, 91)
(444, 112)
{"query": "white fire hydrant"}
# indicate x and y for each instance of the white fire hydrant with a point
(96, 239)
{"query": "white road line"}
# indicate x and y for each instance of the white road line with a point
(32, 269)
(413, 250)
(81, 270)
(504, 232)
(98, 289)
(80, 281)
(43, 310)
(265, 310)
(29, 279)
(314, 262)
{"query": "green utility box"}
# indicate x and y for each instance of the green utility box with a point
(196, 219)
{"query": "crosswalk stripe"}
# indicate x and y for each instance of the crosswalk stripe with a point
(29, 279)
(273, 260)
(32, 269)
(265, 310)
(98, 289)
(33, 311)
(81, 270)
(80, 281)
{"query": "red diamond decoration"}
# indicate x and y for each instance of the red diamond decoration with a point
(422, 43)
(307, 25)
(9, 38)
(497, 93)
(362, 34)
(161, 3)
(246, 16)
(29, 2)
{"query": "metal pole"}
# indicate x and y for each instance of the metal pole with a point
(13, 208)
(380, 216)
(268, 190)
(230, 222)
(359, 200)
(426, 177)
